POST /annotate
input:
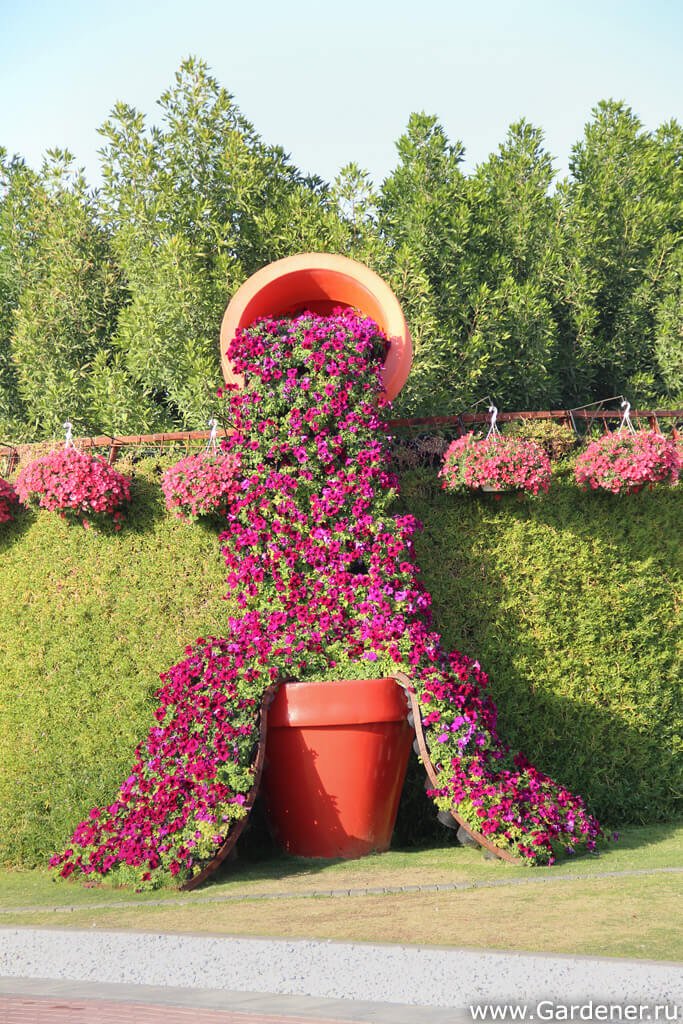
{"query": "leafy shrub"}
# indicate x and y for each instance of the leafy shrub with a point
(573, 611)
(79, 486)
(557, 439)
(201, 485)
(623, 463)
(502, 463)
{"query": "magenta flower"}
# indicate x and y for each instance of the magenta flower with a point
(9, 500)
(500, 462)
(318, 569)
(201, 485)
(624, 463)
(80, 487)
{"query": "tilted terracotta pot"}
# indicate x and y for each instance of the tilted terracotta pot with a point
(319, 282)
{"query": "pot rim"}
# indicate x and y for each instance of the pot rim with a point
(320, 279)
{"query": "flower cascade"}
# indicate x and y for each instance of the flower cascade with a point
(81, 487)
(8, 501)
(321, 576)
(624, 462)
(201, 485)
(508, 463)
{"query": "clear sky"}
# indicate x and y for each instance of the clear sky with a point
(336, 82)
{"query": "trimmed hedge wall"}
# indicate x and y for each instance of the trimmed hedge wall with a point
(572, 604)
(569, 601)
(88, 620)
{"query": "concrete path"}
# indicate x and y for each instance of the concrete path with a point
(60, 970)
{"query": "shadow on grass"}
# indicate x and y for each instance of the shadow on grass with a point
(13, 531)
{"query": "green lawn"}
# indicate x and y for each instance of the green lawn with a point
(569, 908)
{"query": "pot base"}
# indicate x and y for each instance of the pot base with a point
(332, 788)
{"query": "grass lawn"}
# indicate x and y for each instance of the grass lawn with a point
(578, 906)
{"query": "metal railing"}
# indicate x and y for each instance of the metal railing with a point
(12, 456)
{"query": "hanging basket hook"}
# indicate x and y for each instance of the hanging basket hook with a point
(212, 443)
(626, 418)
(493, 429)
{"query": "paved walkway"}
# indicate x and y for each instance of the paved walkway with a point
(41, 1001)
(18, 1010)
(90, 974)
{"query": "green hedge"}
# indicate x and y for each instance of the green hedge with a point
(88, 620)
(569, 602)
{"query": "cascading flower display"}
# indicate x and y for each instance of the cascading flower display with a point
(625, 462)
(9, 500)
(80, 487)
(499, 462)
(201, 485)
(322, 574)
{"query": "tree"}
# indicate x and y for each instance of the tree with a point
(195, 205)
(509, 270)
(16, 181)
(624, 212)
(65, 291)
(424, 220)
(474, 261)
(668, 335)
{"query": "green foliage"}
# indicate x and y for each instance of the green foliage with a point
(195, 204)
(571, 604)
(424, 219)
(16, 184)
(557, 439)
(62, 292)
(87, 622)
(568, 601)
(668, 343)
(543, 293)
(475, 262)
(623, 207)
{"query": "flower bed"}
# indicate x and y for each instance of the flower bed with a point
(80, 487)
(8, 501)
(624, 462)
(201, 485)
(497, 463)
(322, 573)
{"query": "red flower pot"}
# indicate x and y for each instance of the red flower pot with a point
(336, 759)
(319, 282)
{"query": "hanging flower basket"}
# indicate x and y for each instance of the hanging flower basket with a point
(9, 500)
(202, 485)
(80, 487)
(497, 463)
(625, 462)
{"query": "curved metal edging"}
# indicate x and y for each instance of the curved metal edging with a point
(403, 680)
(236, 831)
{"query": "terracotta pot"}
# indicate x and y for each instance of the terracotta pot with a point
(336, 759)
(319, 282)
